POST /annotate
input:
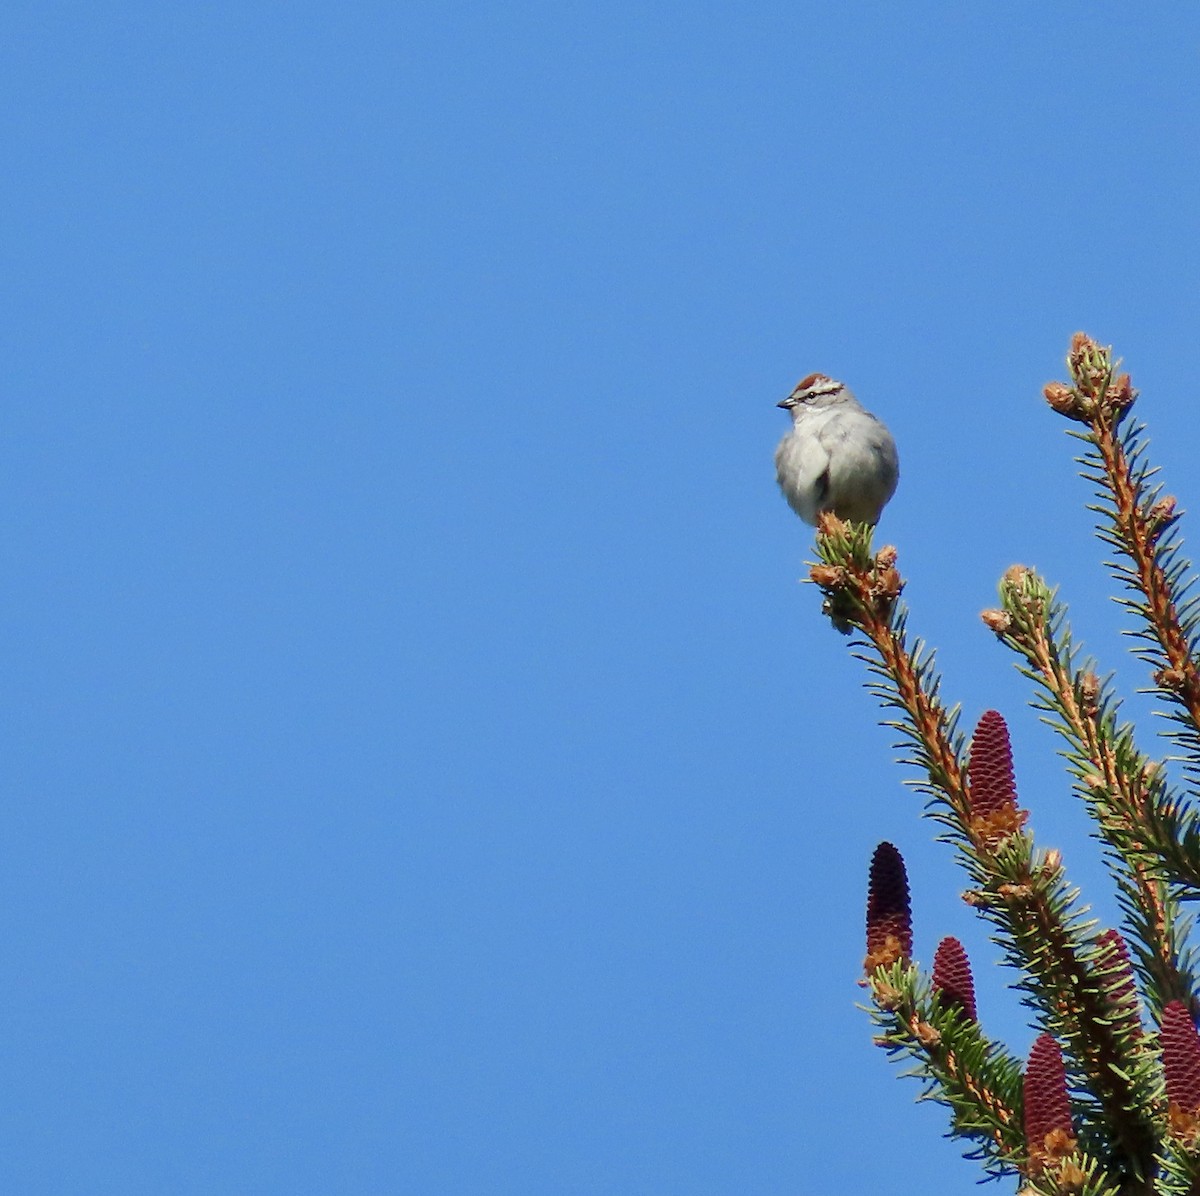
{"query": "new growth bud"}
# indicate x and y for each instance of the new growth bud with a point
(1089, 692)
(1160, 517)
(1090, 364)
(829, 577)
(1000, 621)
(1020, 591)
(1067, 402)
(1121, 393)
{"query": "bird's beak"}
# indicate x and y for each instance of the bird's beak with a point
(787, 403)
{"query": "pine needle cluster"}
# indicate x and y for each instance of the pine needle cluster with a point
(1108, 1101)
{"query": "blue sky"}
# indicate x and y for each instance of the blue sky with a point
(421, 770)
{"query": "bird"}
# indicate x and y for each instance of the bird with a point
(837, 456)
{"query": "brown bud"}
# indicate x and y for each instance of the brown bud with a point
(992, 828)
(1080, 343)
(1121, 393)
(885, 558)
(1089, 363)
(1000, 621)
(1021, 587)
(887, 584)
(1089, 692)
(1016, 894)
(828, 524)
(927, 1035)
(887, 951)
(1183, 1126)
(829, 577)
(1066, 401)
(887, 996)
(1060, 1143)
(1093, 781)
(1160, 517)
(1171, 678)
(1052, 860)
(1071, 1176)
(1163, 509)
(976, 898)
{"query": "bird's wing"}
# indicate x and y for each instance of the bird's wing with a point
(864, 467)
(802, 465)
(853, 440)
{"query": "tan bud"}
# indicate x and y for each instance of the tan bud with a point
(828, 524)
(927, 1035)
(1121, 393)
(1080, 343)
(1089, 363)
(1089, 692)
(1160, 517)
(1067, 401)
(1016, 894)
(1000, 621)
(1071, 1177)
(887, 584)
(829, 577)
(1163, 509)
(1170, 678)
(887, 996)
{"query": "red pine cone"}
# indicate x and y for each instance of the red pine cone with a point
(1181, 1057)
(1117, 977)
(889, 918)
(952, 976)
(990, 767)
(1047, 1107)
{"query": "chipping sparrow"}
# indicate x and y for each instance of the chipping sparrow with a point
(837, 457)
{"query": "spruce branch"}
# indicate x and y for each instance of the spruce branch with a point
(1140, 524)
(958, 1066)
(935, 1023)
(1040, 925)
(1123, 789)
(1106, 1107)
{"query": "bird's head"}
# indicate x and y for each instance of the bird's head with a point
(816, 390)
